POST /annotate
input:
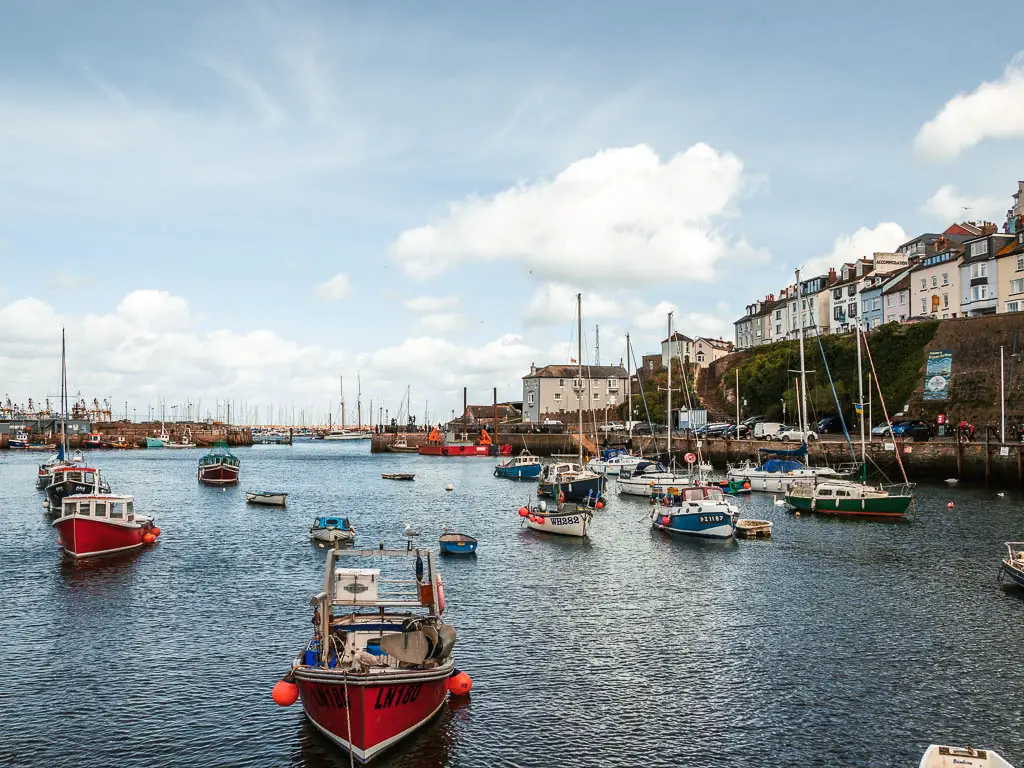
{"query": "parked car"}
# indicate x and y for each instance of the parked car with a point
(612, 426)
(830, 425)
(646, 428)
(913, 429)
(750, 421)
(767, 430)
(718, 429)
(744, 431)
(794, 433)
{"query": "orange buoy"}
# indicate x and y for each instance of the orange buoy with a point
(561, 497)
(746, 486)
(950, 505)
(600, 505)
(285, 694)
(460, 684)
(524, 511)
(155, 531)
(440, 594)
(148, 538)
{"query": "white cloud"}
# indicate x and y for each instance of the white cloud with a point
(432, 303)
(335, 289)
(883, 238)
(442, 322)
(947, 206)
(555, 304)
(617, 207)
(144, 350)
(656, 317)
(994, 110)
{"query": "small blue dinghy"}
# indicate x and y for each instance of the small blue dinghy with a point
(452, 543)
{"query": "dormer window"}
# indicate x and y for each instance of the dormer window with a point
(979, 248)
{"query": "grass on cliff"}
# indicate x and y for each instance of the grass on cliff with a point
(767, 373)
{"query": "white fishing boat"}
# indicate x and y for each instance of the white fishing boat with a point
(331, 529)
(567, 519)
(779, 475)
(185, 442)
(702, 511)
(641, 479)
(938, 756)
(613, 461)
(267, 498)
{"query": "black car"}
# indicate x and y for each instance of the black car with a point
(916, 430)
(830, 425)
(646, 429)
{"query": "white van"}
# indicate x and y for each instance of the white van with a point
(767, 430)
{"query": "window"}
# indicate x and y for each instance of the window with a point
(977, 249)
(531, 399)
(1017, 286)
(852, 310)
(979, 270)
(876, 304)
(945, 301)
(864, 305)
(561, 382)
(100, 510)
(1020, 263)
(1013, 306)
(924, 306)
(979, 293)
(837, 293)
(557, 396)
(613, 383)
(945, 278)
(700, 357)
(851, 290)
(837, 313)
(935, 281)
(778, 314)
(924, 284)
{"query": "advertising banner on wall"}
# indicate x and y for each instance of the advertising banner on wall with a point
(937, 374)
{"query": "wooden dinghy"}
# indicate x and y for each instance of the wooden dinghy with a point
(754, 529)
(398, 476)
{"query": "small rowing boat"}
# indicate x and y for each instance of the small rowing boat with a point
(937, 756)
(452, 543)
(1013, 563)
(331, 529)
(267, 498)
(754, 529)
(398, 476)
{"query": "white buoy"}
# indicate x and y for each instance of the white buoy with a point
(951, 481)
(1000, 494)
(449, 487)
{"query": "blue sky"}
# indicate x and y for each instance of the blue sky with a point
(229, 162)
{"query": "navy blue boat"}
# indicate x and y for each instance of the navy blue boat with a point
(570, 482)
(525, 466)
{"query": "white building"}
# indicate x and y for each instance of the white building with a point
(556, 389)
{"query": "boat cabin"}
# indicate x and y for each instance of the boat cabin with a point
(106, 506)
(83, 475)
(524, 459)
(327, 523)
(681, 496)
(643, 468)
(219, 456)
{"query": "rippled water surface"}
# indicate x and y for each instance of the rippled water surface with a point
(839, 643)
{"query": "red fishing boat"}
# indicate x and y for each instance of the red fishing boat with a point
(93, 440)
(380, 662)
(438, 446)
(219, 467)
(102, 524)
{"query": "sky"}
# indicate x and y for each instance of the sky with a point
(246, 201)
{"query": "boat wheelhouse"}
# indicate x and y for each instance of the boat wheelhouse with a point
(331, 529)
(525, 466)
(1013, 563)
(701, 511)
(93, 440)
(74, 480)
(219, 467)
(44, 476)
(569, 481)
(401, 445)
(18, 440)
(102, 524)
(846, 498)
(378, 665)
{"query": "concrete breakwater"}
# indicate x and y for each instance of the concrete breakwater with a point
(995, 464)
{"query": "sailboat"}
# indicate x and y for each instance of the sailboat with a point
(343, 433)
(851, 498)
(780, 469)
(641, 478)
(570, 481)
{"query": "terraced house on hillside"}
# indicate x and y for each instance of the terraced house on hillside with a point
(979, 287)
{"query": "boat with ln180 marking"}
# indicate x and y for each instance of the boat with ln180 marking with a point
(380, 663)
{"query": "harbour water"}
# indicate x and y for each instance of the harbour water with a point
(836, 643)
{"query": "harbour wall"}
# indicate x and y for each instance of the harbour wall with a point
(999, 465)
(134, 433)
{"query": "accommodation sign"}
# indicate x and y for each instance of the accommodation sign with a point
(937, 373)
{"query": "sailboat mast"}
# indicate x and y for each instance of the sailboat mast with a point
(629, 387)
(341, 386)
(359, 402)
(860, 400)
(803, 366)
(668, 416)
(63, 393)
(579, 362)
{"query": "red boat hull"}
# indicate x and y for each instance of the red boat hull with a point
(380, 714)
(89, 537)
(218, 474)
(463, 450)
